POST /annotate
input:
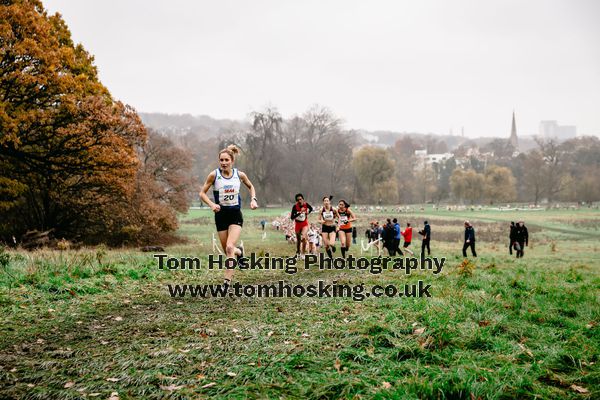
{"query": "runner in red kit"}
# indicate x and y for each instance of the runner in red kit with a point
(299, 215)
(407, 234)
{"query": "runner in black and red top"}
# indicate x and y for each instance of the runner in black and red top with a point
(299, 215)
(327, 218)
(345, 226)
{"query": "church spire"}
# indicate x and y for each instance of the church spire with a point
(513, 133)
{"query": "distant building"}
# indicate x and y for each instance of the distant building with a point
(429, 159)
(552, 130)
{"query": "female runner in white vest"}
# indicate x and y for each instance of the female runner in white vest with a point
(226, 182)
(327, 218)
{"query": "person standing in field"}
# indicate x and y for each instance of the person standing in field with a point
(469, 239)
(397, 236)
(377, 235)
(327, 219)
(388, 237)
(512, 239)
(522, 238)
(226, 182)
(299, 215)
(407, 235)
(345, 228)
(426, 233)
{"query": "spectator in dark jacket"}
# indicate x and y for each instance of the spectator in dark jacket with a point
(426, 233)
(388, 237)
(512, 238)
(522, 236)
(469, 239)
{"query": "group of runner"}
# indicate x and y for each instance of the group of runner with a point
(334, 223)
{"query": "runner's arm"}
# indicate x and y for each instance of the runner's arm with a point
(210, 179)
(250, 186)
(351, 217)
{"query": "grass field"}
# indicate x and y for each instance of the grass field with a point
(99, 323)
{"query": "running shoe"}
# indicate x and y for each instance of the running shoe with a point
(241, 247)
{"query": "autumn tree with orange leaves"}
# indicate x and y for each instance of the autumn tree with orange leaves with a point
(69, 153)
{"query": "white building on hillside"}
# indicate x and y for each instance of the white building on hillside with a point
(424, 159)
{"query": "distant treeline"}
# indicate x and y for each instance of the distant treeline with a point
(312, 154)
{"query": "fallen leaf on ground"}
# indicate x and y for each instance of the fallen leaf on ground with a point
(270, 333)
(69, 384)
(525, 349)
(425, 343)
(171, 388)
(337, 365)
(113, 379)
(200, 376)
(209, 385)
(419, 331)
(161, 376)
(118, 318)
(231, 374)
(579, 389)
(386, 385)
(114, 396)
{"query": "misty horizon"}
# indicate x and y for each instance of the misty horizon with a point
(246, 119)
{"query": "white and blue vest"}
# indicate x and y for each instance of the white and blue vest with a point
(226, 191)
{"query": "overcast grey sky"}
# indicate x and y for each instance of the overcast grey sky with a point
(425, 66)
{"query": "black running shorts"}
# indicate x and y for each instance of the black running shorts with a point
(228, 216)
(327, 229)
